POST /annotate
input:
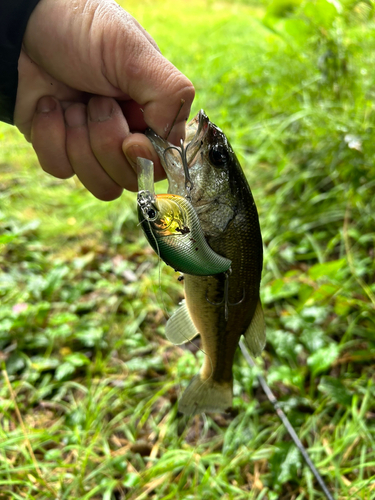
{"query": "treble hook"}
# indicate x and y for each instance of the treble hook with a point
(183, 153)
(225, 299)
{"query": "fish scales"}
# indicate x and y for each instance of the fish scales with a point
(226, 209)
(221, 336)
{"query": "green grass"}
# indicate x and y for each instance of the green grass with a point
(81, 310)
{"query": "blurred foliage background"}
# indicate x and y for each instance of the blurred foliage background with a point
(84, 359)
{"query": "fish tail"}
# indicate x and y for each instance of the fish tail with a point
(203, 395)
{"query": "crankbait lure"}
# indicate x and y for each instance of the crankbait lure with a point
(172, 228)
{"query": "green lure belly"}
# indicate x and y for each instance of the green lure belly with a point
(172, 228)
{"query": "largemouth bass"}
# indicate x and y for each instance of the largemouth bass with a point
(224, 306)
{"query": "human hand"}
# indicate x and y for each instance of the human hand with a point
(90, 80)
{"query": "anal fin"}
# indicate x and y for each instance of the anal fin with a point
(255, 335)
(180, 327)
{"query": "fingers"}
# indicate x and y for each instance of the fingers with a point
(149, 79)
(94, 145)
(88, 143)
(102, 51)
(96, 150)
(144, 33)
(82, 158)
(48, 138)
(33, 84)
(107, 129)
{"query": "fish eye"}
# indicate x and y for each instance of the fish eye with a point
(219, 155)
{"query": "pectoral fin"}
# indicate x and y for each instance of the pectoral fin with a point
(255, 336)
(180, 327)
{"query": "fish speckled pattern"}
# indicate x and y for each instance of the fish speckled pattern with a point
(220, 310)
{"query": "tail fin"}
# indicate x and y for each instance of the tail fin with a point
(205, 395)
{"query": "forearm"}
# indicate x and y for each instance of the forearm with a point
(14, 16)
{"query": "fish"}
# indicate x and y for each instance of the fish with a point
(220, 307)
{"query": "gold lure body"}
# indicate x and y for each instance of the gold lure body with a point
(174, 232)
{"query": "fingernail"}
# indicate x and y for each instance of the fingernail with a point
(100, 109)
(75, 116)
(46, 105)
(135, 151)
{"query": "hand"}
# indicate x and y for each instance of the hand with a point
(90, 80)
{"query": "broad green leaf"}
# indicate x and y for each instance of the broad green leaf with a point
(335, 270)
(92, 337)
(285, 343)
(335, 390)
(286, 375)
(64, 370)
(321, 13)
(41, 364)
(280, 289)
(16, 362)
(76, 359)
(285, 463)
(322, 359)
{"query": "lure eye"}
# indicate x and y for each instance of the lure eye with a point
(151, 214)
(219, 155)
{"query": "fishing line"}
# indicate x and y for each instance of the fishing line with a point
(292, 433)
(167, 315)
(165, 310)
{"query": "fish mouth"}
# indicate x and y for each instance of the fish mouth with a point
(197, 127)
(172, 157)
(158, 142)
(169, 156)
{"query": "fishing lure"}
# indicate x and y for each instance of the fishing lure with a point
(172, 228)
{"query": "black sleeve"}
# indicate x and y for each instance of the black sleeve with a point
(14, 15)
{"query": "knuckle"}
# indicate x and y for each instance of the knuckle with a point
(189, 91)
(104, 145)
